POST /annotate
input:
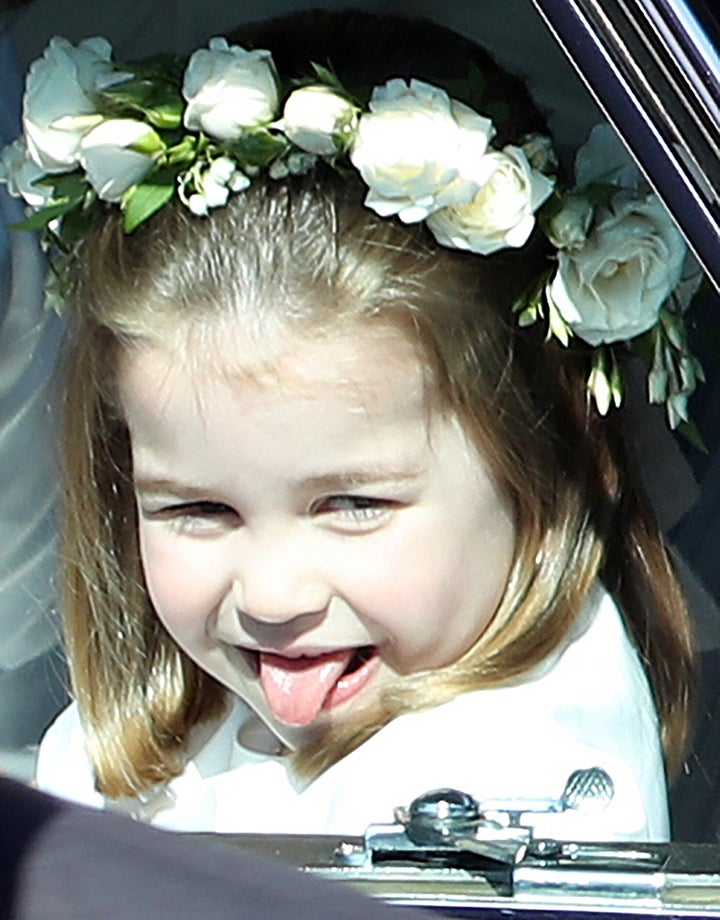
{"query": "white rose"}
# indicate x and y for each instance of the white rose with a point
(20, 171)
(416, 149)
(502, 213)
(612, 288)
(229, 89)
(58, 106)
(315, 118)
(117, 154)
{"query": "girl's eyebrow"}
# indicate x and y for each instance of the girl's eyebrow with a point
(343, 479)
(149, 486)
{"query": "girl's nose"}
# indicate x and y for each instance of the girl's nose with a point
(277, 582)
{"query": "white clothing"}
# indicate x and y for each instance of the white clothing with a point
(589, 706)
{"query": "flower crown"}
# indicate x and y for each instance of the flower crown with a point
(137, 135)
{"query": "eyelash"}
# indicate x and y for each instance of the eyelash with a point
(190, 516)
(358, 510)
(354, 511)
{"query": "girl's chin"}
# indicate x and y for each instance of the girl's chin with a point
(267, 735)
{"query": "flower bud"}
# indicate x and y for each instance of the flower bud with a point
(318, 120)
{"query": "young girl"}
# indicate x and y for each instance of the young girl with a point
(339, 530)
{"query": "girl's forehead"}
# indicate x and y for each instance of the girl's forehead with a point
(361, 354)
(331, 388)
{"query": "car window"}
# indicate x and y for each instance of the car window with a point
(654, 67)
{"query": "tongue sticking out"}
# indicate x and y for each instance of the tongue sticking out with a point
(296, 688)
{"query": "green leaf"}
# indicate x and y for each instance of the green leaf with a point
(65, 185)
(150, 99)
(167, 116)
(470, 89)
(150, 143)
(691, 432)
(69, 192)
(644, 346)
(42, 218)
(164, 67)
(183, 152)
(132, 93)
(328, 76)
(600, 194)
(258, 147)
(674, 329)
(552, 207)
(75, 226)
(146, 198)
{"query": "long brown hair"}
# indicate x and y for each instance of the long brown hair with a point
(306, 253)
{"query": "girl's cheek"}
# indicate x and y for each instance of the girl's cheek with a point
(178, 578)
(394, 583)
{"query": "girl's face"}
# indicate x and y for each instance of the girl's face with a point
(308, 533)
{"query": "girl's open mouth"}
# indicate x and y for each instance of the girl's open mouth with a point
(297, 689)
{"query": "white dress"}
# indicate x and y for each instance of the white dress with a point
(590, 706)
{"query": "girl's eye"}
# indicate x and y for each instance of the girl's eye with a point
(357, 511)
(193, 516)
